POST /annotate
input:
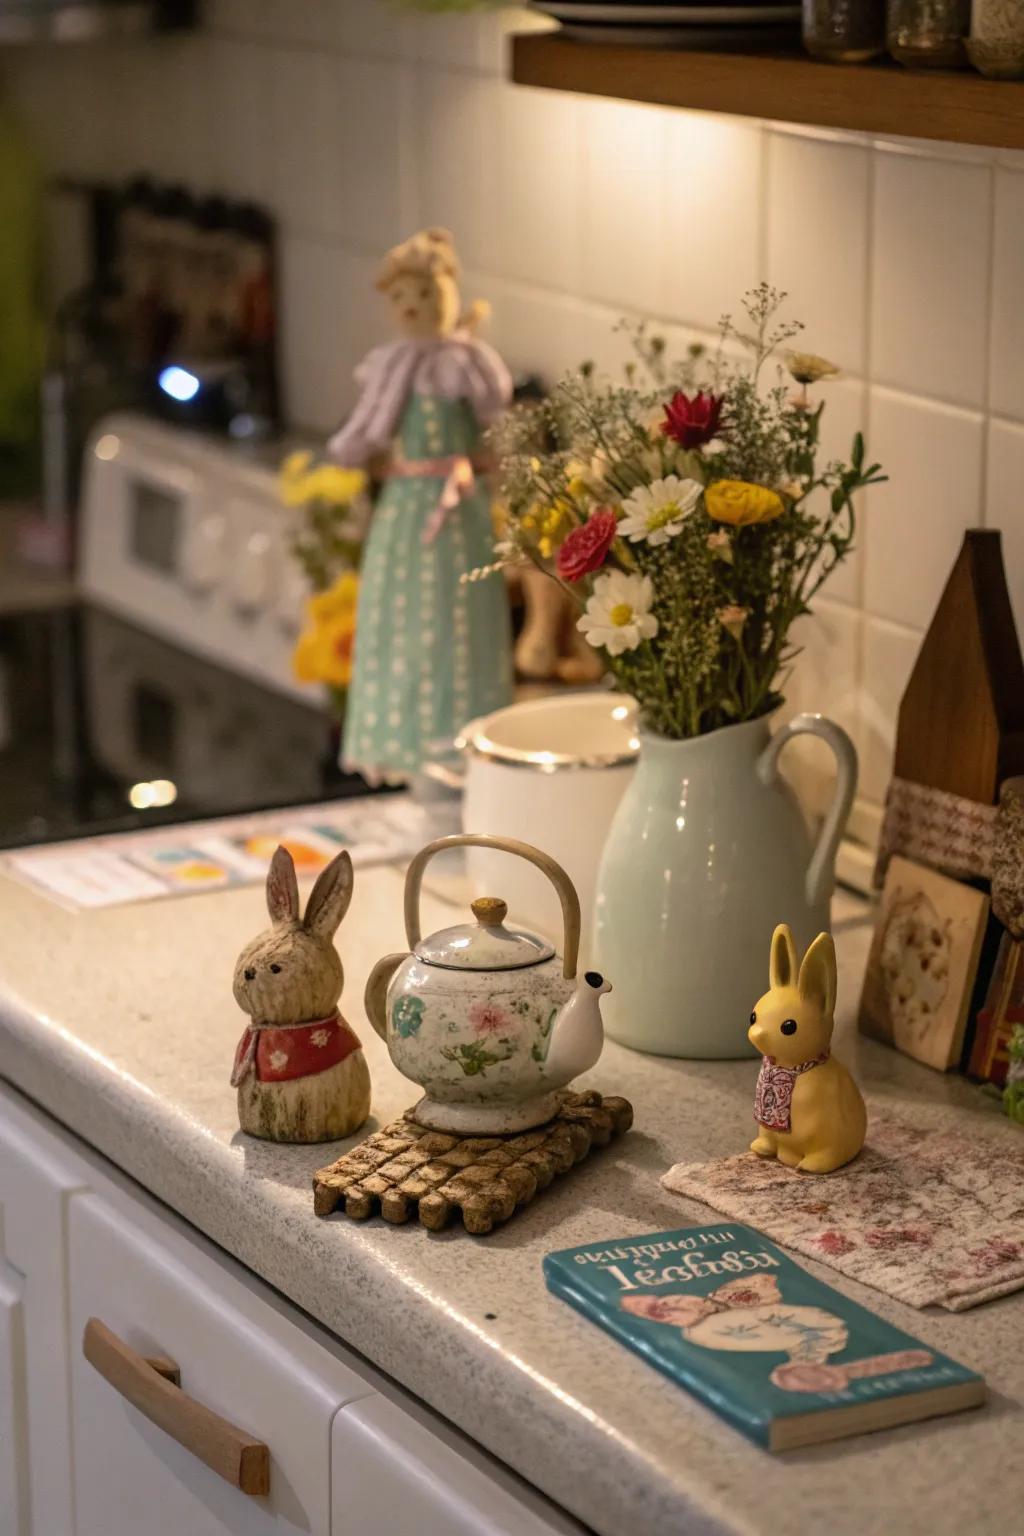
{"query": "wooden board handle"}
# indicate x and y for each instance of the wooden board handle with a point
(150, 1387)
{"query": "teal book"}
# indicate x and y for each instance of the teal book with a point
(787, 1360)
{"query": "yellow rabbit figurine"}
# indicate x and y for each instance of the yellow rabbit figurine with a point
(808, 1107)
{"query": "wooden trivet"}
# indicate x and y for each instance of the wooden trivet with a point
(406, 1168)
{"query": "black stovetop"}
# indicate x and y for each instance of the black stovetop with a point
(91, 708)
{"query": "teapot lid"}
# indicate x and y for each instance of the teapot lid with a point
(486, 945)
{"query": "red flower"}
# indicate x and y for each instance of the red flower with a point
(584, 549)
(693, 422)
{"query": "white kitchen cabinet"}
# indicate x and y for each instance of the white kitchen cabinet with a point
(36, 1182)
(237, 1356)
(396, 1475)
(350, 1453)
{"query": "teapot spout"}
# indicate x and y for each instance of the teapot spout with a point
(577, 1035)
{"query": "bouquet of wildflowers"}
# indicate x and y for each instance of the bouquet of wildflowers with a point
(687, 515)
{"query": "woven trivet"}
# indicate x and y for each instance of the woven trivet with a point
(406, 1168)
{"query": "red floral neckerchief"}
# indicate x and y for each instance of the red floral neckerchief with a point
(277, 1053)
(774, 1094)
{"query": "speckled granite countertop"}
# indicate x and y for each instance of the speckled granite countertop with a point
(121, 1023)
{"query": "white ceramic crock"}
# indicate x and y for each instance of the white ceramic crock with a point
(549, 771)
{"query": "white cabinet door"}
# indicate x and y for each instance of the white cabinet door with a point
(36, 1182)
(14, 1489)
(395, 1476)
(239, 1357)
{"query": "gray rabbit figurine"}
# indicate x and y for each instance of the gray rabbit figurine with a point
(299, 1068)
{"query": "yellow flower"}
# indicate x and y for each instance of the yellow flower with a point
(323, 651)
(808, 368)
(298, 483)
(546, 527)
(337, 486)
(739, 503)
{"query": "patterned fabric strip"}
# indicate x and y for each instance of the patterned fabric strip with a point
(960, 838)
(947, 832)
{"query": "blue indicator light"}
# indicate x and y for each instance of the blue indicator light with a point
(178, 383)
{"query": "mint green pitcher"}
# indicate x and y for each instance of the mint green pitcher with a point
(708, 851)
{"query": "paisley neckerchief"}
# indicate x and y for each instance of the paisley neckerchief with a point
(774, 1093)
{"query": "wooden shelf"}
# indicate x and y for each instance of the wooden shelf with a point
(873, 98)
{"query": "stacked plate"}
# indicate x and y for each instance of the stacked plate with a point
(741, 25)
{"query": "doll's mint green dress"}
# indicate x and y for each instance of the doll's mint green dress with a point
(431, 652)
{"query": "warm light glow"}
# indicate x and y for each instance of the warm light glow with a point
(107, 447)
(620, 712)
(152, 795)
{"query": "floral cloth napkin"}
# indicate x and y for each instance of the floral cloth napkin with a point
(928, 1217)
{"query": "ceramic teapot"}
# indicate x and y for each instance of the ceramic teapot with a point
(486, 1018)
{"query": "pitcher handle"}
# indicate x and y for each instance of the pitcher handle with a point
(571, 921)
(820, 876)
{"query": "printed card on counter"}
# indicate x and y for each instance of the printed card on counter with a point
(784, 1358)
(213, 855)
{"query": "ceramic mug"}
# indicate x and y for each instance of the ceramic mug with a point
(549, 771)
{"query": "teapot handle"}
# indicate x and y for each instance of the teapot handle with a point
(555, 873)
(820, 876)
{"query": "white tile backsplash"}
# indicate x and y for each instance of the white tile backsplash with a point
(357, 121)
(711, 251)
(889, 653)
(930, 267)
(1007, 379)
(624, 195)
(816, 212)
(1005, 504)
(933, 455)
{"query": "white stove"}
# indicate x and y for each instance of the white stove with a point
(185, 535)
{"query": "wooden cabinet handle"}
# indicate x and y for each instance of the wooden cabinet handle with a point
(152, 1386)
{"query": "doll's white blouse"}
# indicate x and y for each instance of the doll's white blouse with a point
(454, 367)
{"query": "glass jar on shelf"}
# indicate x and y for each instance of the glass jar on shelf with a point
(844, 31)
(929, 34)
(996, 43)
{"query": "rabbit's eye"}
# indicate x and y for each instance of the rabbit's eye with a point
(788, 1028)
(276, 969)
(753, 1018)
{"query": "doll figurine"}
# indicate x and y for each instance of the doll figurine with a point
(808, 1108)
(299, 1068)
(432, 652)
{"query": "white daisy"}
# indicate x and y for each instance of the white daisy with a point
(278, 1060)
(656, 513)
(619, 614)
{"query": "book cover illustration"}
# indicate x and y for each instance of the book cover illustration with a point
(787, 1359)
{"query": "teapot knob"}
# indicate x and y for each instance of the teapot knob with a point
(489, 911)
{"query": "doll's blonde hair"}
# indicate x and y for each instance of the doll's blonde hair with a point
(430, 253)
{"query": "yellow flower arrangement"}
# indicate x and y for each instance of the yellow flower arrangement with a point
(323, 651)
(299, 483)
(740, 503)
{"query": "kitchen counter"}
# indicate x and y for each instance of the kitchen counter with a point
(122, 1025)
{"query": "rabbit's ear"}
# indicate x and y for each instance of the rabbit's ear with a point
(282, 888)
(818, 974)
(782, 966)
(329, 898)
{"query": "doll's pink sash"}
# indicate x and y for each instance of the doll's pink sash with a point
(459, 473)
